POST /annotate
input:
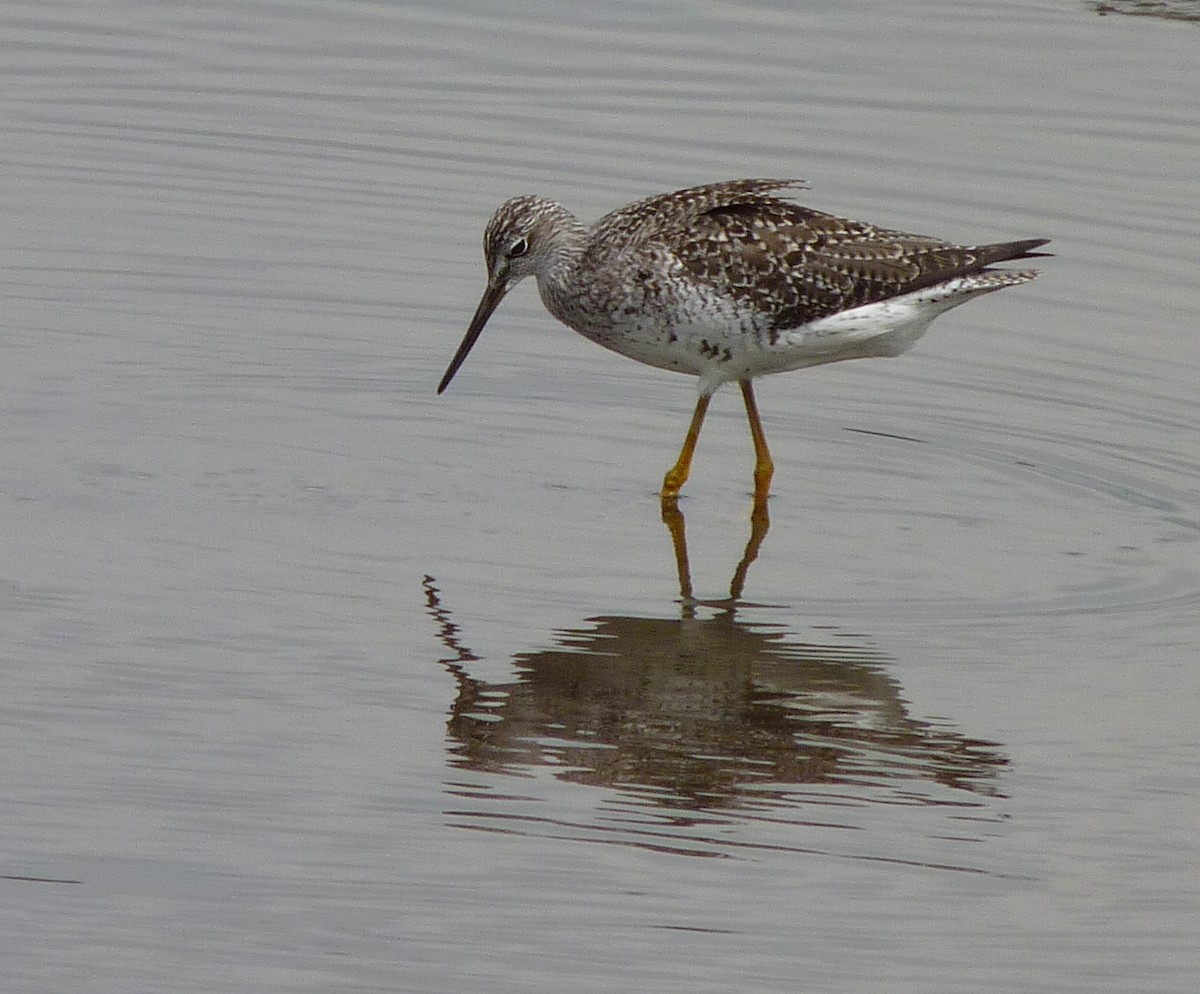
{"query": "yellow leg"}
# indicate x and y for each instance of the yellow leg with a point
(764, 468)
(677, 475)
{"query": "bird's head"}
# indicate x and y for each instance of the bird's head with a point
(519, 241)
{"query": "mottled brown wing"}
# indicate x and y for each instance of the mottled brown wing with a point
(797, 264)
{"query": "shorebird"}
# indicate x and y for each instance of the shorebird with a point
(731, 281)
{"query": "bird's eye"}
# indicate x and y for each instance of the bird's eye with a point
(518, 248)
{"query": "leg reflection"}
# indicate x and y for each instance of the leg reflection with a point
(673, 519)
(760, 522)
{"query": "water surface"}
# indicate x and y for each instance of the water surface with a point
(317, 681)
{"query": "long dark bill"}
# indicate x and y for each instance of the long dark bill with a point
(491, 299)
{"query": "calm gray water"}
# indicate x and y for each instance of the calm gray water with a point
(315, 681)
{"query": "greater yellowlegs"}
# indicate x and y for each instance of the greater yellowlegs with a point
(729, 282)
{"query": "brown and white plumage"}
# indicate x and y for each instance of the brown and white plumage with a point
(730, 281)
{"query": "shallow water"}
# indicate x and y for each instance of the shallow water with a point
(317, 681)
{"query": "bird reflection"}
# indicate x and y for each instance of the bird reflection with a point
(702, 713)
